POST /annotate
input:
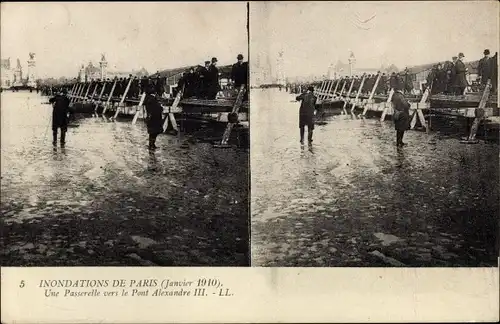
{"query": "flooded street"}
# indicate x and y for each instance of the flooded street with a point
(105, 200)
(353, 199)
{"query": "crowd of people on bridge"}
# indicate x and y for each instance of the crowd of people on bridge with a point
(444, 78)
(450, 77)
(202, 82)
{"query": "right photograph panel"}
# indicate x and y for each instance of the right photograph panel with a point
(374, 135)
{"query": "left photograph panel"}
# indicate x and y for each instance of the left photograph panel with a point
(124, 134)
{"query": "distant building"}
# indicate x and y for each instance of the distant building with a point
(344, 69)
(125, 74)
(6, 73)
(93, 72)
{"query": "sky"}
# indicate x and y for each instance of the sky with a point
(156, 36)
(314, 35)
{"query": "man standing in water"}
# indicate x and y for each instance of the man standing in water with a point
(306, 113)
(60, 116)
(154, 116)
(401, 115)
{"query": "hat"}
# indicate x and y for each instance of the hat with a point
(207, 62)
(486, 52)
(310, 88)
(214, 59)
(240, 57)
(454, 57)
(461, 55)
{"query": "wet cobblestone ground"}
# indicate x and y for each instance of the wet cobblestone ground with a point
(353, 199)
(104, 200)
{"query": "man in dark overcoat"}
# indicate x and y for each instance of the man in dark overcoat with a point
(306, 113)
(484, 68)
(401, 115)
(452, 76)
(60, 103)
(460, 79)
(204, 80)
(441, 79)
(154, 117)
(239, 74)
(213, 77)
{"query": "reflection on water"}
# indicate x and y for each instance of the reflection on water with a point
(105, 183)
(439, 197)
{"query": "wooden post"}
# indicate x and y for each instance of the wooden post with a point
(357, 93)
(139, 108)
(110, 96)
(341, 90)
(479, 113)
(73, 95)
(99, 98)
(76, 93)
(346, 98)
(387, 105)
(321, 95)
(418, 112)
(72, 92)
(236, 108)
(93, 92)
(335, 90)
(87, 92)
(123, 98)
(372, 93)
(327, 95)
(170, 117)
(320, 91)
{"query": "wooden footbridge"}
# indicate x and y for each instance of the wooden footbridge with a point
(110, 99)
(338, 96)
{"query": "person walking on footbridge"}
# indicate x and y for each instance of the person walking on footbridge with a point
(60, 118)
(306, 113)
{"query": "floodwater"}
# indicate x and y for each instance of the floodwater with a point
(105, 200)
(353, 199)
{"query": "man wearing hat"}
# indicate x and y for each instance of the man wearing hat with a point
(484, 68)
(306, 113)
(60, 116)
(204, 80)
(401, 115)
(239, 74)
(213, 80)
(451, 76)
(154, 116)
(460, 79)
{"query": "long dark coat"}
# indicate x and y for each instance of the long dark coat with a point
(401, 116)
(239, 74)
(154, 118)
(484, 69)
(494, 72)
(60, 112)
(460, 80)
(213, 81)
(307, 107)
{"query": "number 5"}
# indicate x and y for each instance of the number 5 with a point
(21, 285)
